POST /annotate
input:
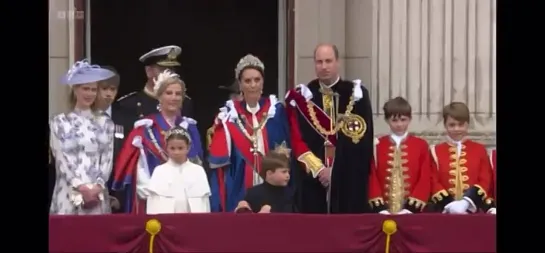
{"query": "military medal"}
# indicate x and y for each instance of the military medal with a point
(354, 127)
(118, 132)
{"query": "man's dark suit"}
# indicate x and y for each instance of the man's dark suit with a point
(120, 133)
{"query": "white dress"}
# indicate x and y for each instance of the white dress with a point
(178, 188)
(82, 144)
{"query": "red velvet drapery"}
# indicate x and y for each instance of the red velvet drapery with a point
(273, 233)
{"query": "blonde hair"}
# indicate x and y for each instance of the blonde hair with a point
(72, 99)
(168, 82)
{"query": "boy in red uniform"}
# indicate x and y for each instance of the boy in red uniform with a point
(462, 174)
(490, 202)
(401, 177)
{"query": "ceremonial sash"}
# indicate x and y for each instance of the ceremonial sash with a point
(302, 106)
(243, 144)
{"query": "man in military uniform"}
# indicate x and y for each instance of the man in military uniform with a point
(234, 94)
(234, 90)
(139, 104)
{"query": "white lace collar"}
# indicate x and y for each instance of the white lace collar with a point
(229, 112)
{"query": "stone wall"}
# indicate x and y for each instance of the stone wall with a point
(431, 52)
(59, 53)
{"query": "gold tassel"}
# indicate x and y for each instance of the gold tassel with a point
(153, 227)
(389, 227)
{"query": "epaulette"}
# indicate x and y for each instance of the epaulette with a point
(126, 96)
(186, 96)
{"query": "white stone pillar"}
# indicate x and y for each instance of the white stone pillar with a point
(432, 52)
(359, 45)
(59, 54)
(317, 21)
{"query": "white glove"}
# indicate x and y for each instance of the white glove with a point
(385, 212)
(404, 211)
(77, 198)
(457, 207)
(143, 192)
(492, 211)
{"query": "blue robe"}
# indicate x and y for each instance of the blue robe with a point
(127, 162)
(230, 156)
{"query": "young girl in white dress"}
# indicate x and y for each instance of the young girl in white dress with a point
(178, 186)
(82, 145)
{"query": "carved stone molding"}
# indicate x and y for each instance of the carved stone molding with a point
(486, 138)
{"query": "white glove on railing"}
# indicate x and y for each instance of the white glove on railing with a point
(385, 212)
(404, 211)
(492, 211)
(457, 207)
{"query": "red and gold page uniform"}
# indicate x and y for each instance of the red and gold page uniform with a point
(461, 170)
(490, 202)
(401, 177)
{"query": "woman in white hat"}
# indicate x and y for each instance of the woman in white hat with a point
(81, 142)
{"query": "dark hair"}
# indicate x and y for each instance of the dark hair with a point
(456, 110)
(178, 133)
(112, 81)
(273, 161)
(397, 107)
(260, 70)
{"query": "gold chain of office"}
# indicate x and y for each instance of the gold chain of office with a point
(252, 137)
(338, 126)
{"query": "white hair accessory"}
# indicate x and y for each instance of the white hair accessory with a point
(248, 60)
(161, 78)
(177, 130)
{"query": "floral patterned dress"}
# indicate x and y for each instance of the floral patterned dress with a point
(82, 144)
